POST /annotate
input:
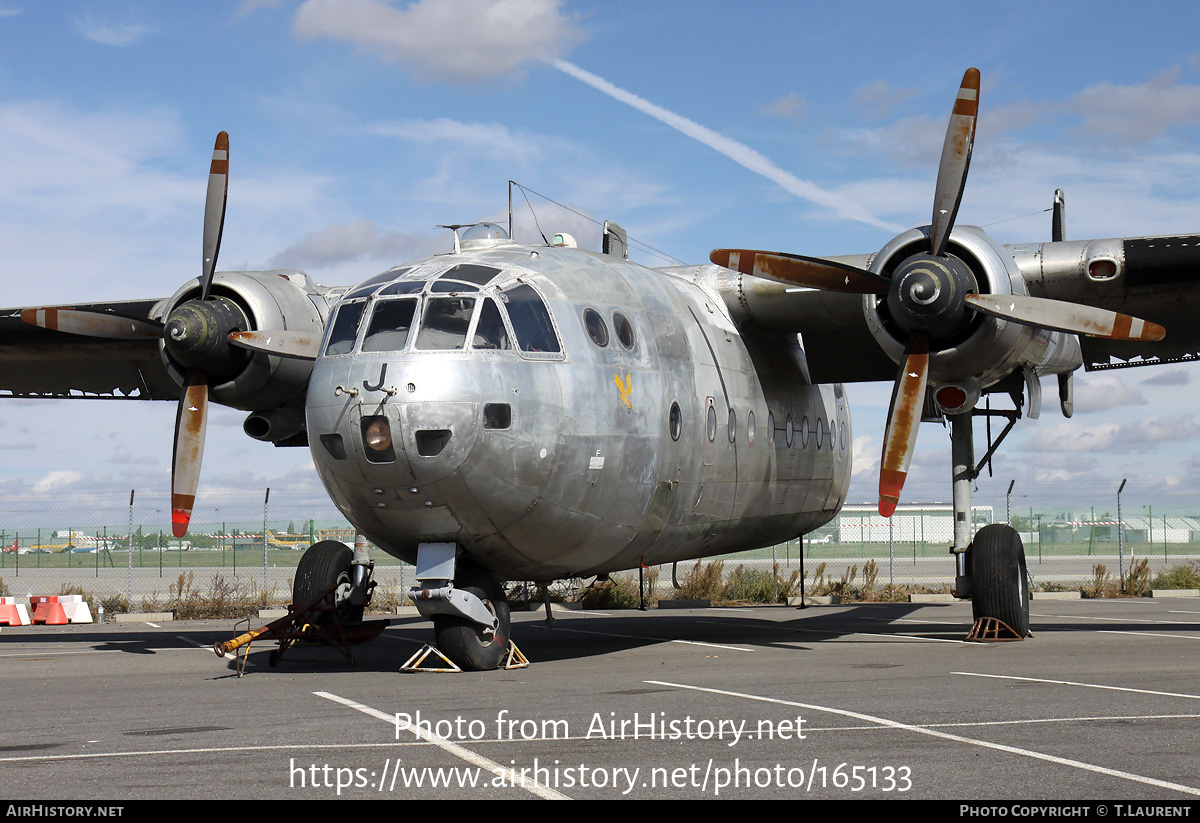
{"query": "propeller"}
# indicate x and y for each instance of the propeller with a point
(932, 296)
(196, 334)
(189, 328)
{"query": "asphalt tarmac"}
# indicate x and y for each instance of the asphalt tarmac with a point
(841, 702)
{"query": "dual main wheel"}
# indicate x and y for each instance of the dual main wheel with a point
(469, 645)
(999, 578)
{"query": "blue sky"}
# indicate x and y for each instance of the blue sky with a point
(355, 127)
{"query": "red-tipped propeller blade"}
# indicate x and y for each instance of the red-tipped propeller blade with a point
(956, 158)
(797, 270)
(904, 415)
(189, 450)
(214, 211)
(92, 323)
(1069, 317)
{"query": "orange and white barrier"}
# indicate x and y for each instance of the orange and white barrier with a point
(76, 608)
(13, 613)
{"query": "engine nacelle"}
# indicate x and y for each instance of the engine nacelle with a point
(986, 348)
(267, 300)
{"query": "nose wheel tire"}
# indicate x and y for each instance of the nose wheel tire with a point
(469, 645)
(323, 565)
(999, 579)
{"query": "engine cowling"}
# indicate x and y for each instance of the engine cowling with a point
(196, 335)
(978, 346)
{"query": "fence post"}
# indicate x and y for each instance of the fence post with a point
(1121, 535)
(266, 498)
(129, 577)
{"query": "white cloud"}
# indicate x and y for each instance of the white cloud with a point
(57, 481)
(110, 34)
(790, 105)
(455, 40)
(356, 240)
(1136, 113)
(1102, 392)
(879, 97)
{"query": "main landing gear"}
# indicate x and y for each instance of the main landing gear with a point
(990, 569)
(468, 608)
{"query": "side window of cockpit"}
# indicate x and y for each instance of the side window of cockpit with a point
(345, 329)
(444, 323)
(531, 320)
(390, 324)
(490, 332)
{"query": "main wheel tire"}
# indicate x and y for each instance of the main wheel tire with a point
(999, 581)
(323, 565)
(470, 646)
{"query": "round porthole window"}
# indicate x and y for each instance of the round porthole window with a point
(771, 429)
(596, 328)
(711, 423)
(624, 330)
(804, 431)
(750, 428)
(790, 430)
(676, 421)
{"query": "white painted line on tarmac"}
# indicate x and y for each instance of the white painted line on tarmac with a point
(916, 637)
(882, 721)
(155, 625)
(655, 639)
(50, 653)
(1116, 619)
(1074, 683)
(510, 776)
(1152, 634)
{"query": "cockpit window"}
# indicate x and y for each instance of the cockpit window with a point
(404, 287)
(471, 273)
(531, 320)
(390, 324)
(445, 322)
(490, 332)
(369, 286)
(450, 285)
(345, 328)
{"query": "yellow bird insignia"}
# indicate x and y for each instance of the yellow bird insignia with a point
(625, 388)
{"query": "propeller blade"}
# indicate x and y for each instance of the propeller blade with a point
(904, 415)
(1063, 316)
(92, 324)
(297, 344)
(189, 449)
(956, 157)
(797, 270)
(214, 210)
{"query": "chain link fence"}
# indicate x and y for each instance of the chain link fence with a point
(121, 544)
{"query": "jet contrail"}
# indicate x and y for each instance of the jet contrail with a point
(735, 151)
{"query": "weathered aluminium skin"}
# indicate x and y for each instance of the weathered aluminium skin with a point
(587, 477)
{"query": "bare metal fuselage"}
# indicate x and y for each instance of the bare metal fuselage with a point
(582, 472)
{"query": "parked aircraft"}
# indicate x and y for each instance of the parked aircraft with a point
(510, 411)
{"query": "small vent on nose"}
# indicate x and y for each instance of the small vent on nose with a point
(430, 442)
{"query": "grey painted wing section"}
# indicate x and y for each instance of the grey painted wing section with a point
(36, 362)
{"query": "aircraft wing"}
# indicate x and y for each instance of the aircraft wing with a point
(43, 362)
(1157, 278)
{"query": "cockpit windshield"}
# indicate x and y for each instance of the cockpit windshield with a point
(453, 311)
